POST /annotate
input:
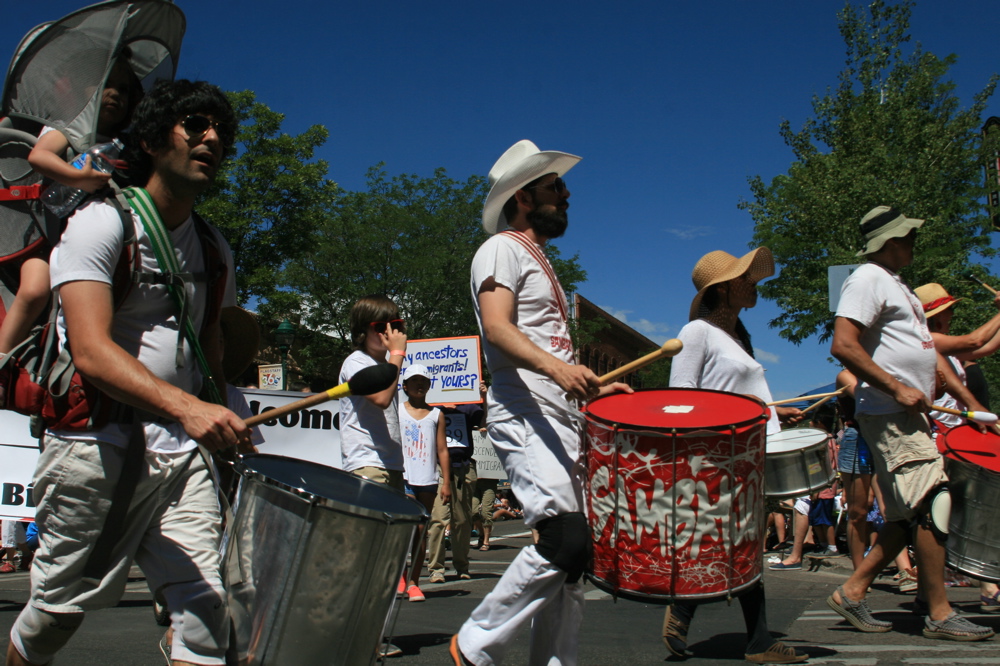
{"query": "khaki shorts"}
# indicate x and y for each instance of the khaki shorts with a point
(389, 477)
(907, 463)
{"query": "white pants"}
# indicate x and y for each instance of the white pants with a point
(13, 533)
(172, 531)
(542, 459)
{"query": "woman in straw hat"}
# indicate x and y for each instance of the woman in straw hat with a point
(958, 351)
(718, 355)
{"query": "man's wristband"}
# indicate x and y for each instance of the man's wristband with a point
(397, 352)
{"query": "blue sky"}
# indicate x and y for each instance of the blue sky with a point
(672, 106)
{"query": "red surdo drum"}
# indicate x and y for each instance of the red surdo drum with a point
(676, 493)
(972, 460)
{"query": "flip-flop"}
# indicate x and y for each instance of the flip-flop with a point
(484, 547)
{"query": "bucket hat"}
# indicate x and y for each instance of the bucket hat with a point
(882, 223)
(935, 298)
(242, 337)
(522, 163)
(720, 266)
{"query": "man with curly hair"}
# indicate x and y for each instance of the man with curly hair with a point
(136, 354)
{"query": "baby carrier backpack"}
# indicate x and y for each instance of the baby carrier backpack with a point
(56, 78)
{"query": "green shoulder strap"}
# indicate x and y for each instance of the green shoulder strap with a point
(166, 257)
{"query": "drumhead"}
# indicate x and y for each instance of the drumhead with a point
(676, 409)
(967, 444)
(330, 487)
(794, 439)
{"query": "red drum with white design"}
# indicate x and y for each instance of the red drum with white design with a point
(676, 493)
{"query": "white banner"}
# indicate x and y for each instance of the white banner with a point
(18, 455)
(310, 434)
(454, 365)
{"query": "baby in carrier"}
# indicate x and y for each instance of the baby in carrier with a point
(121, 94)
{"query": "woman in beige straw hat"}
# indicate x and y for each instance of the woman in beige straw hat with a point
(718, 355)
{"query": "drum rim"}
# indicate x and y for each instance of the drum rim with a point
(316, 499)
(762, 418)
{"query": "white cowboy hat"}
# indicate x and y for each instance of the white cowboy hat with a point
(521, 164)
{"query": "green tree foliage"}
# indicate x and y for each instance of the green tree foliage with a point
(268, 197)
(892, 132)
(408, 237)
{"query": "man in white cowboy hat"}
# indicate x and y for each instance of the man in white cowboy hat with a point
(533, 419)
(881, 335)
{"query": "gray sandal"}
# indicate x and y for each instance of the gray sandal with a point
(857, 613)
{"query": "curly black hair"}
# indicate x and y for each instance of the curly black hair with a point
(161, 109)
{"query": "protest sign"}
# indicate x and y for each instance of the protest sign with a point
(487, 463)
(454, 366)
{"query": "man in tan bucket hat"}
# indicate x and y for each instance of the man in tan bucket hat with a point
(881, 335)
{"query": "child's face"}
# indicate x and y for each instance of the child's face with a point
(417, 387)
(115, 99)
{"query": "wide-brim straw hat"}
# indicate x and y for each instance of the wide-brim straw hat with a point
(241, 333)
(882, 223)
(935, 299)
(522, 163)
(719, 266)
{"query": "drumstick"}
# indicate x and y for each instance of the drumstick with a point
(670, 348)
(367, 381)
(806, 398)
(972, 276)
(817, 404)
(979, 417)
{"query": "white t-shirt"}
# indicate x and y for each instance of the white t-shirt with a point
(238, 405)
(712, 359)
(895, 336)
(538, 315)
(369, 436)
(419, 447)
(146, 324)
(951, 420)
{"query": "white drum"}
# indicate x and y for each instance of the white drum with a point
(797, 462)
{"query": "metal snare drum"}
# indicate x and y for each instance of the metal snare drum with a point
(974, 482)
(797, 462)
(312, 560)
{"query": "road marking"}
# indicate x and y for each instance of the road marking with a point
(859, 661)
(596, 595)
(982, 647)
(952, 660)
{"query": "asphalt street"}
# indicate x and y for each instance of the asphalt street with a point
(614, 632)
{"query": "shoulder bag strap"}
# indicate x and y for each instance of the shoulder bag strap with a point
(166, 257)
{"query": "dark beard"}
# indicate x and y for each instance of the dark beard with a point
(548, 224)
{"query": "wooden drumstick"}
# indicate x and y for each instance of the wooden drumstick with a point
(817, 404)
(807, 398)
(670, 348)
(369, 380)
(979, 417)
(972, 276)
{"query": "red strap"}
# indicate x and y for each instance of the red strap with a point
(21, 192)
(541, 259)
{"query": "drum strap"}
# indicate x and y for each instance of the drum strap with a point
(540, 257)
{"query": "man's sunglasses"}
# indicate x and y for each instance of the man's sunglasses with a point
(197, 126)
(381, 326)
(558, 186)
